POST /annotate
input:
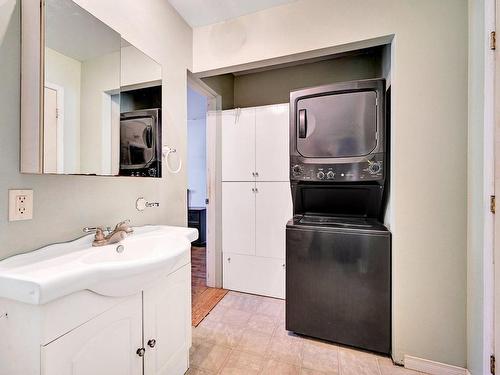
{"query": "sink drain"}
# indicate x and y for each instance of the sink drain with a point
(120, 248)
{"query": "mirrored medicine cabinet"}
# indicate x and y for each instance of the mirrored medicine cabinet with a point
(90, 100)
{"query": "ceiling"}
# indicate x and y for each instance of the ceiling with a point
(205, 12)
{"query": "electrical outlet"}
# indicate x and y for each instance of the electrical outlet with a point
(20, 205)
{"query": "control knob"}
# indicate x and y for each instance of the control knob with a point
(374, 168)
(297, 170)
(320, 175)
(330, 175)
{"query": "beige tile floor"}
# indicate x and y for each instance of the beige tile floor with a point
(245, 334)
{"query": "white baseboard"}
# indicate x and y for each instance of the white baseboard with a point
(433, 368)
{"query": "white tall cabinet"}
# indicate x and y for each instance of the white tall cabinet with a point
(256, 199)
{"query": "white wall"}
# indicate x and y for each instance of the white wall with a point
(429, 141)
(66, 72)
(197, 140)
(65, 204)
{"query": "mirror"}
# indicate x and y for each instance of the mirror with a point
(99, 96)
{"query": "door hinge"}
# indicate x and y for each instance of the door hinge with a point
(492, 364)
(493, 203)
(493, 40)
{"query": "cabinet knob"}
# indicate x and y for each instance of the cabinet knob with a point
(283, 265)
(229, 259)
(256, 174)
(152, 343)
(140, 352)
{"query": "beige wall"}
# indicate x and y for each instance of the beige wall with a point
(65, 204)
(224, 86)
(274, 86)
(429, 141)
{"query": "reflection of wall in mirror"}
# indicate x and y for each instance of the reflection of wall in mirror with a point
(138, 68)
(65, 72)
(100, 80)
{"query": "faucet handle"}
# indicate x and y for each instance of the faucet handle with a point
(96, 229)
(124, 226)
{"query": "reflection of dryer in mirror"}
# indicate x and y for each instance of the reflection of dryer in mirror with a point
(140, 143)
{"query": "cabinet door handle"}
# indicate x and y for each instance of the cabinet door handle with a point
(152, 343)
(256, 190)
(229, 260)
(140, 352)
(256, 174)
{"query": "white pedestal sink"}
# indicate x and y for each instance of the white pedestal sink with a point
(103, 311)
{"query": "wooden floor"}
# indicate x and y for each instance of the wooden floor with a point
(204, 299)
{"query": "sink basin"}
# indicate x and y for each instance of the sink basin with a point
(44, 275)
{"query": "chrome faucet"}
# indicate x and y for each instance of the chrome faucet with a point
(106, 236)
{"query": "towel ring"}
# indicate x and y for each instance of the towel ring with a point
(166, 151)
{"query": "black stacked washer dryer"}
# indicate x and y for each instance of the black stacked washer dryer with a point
(338, 253)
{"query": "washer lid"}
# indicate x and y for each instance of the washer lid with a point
(338, 222)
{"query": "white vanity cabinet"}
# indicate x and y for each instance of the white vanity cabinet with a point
(103, 345)
(86, 333)
(167, 324)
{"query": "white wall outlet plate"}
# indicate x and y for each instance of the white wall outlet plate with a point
(20, 205)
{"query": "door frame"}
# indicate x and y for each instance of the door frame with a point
(214, 181)
(491, 158)
(60, 124)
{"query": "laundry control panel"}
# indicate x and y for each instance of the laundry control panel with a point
(369, 170)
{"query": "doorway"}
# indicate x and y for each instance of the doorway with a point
(201, 196)
(53, 129)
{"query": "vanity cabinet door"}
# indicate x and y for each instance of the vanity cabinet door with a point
(167, 324)
(106, 345)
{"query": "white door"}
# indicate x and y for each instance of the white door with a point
(273, 210)
(238, 217)
(238, 145)
(272, 143)
(167, 324)
(50, 130)
(106, 345)
(256, 275)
